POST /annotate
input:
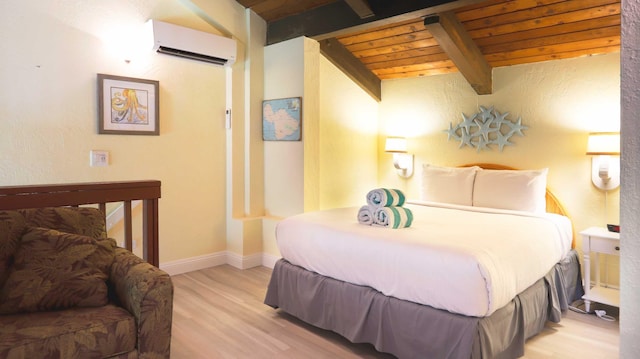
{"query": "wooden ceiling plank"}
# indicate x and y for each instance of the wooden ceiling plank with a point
(464, 53)
(398, 55)
(407, 46)
(563, 38)
(391, 41)
(424, 61)
(500, 7)
(337, 54)
(412, 74)
(551, 14)
(555, 49)
(405, 28)
(596, 23)
(337, 18)
(555, 56)
(548, 21)
(414, 67)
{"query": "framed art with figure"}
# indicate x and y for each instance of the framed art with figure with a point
(128, 106)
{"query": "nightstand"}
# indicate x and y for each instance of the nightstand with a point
(596, 240)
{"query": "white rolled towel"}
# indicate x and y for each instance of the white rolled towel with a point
(385, 197)
(365, 215)
(393, 217)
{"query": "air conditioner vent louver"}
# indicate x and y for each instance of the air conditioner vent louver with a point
(192, 44)
(191, 55)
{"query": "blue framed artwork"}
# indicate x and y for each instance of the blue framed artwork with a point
(281, 119)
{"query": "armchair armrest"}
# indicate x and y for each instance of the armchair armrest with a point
(147, 293)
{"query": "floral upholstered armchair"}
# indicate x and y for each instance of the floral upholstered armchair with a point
(67, 290)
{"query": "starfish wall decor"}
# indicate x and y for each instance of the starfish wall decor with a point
(485, 128)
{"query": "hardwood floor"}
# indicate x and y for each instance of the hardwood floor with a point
(219, 313)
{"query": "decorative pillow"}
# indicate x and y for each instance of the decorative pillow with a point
(55, 270)
(11, 228)
(87, 221)
(511, 189)
(448, 184)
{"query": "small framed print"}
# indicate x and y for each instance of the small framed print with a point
(127, 106)
(281, 119)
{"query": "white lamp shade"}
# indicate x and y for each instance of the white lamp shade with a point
(396, 144)
(603, 143)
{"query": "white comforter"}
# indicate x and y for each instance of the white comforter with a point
(466, 260)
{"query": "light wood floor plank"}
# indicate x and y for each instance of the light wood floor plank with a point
(219, 313)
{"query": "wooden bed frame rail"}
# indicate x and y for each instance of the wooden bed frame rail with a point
(100, 193)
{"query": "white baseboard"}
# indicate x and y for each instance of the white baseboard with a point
(244, 262)
(215, 259)
(194, 263)
(269, 260)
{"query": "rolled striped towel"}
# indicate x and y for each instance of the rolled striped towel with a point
(365, 215)
(393, 217)
(385, 197)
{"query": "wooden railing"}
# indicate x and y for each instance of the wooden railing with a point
(100, 193)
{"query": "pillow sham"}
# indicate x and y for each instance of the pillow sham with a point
(54, 270)
(518, 190)
(452, 185)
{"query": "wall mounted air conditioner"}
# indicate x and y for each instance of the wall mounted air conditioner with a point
(192, 44)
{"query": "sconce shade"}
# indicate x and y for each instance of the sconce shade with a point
(604, 143)
(396, 145)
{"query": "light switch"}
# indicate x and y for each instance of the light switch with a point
(98, 158)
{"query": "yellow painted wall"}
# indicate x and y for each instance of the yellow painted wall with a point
(348, 140)
(51, 53)
(336, 163)
(560, 101)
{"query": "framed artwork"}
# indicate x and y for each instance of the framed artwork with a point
(127, 106)
(281, 119)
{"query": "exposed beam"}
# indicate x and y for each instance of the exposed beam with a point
(338, 18)
(361, 7)
(335, 52)
(462, 50)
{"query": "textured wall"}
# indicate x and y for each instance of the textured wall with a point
(561, 102)
(630, 202)
(348, 133)
(52, 52)
(338, 162)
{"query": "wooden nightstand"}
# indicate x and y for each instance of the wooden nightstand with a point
(598, 240)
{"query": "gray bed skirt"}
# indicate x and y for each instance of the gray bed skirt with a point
(409, 330)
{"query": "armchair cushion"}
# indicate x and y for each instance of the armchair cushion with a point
(53, 270)
(87, 221)
(98, 332)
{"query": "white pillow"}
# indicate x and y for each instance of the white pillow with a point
(511, 189)
(448, 184)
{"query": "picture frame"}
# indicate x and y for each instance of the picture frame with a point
(128, 106)
(282, 119)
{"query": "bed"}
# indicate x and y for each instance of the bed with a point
(487, 261)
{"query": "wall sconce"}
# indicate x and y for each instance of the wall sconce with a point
(402, 161)
(605, 164)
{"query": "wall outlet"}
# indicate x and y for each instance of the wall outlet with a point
(98, 158)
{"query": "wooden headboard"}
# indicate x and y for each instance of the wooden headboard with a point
(76, 194)
(553, 204)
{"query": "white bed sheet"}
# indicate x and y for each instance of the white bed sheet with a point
(465, 260)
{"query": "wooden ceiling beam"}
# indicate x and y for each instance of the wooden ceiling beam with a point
(335, 52)
(361, 7)
(462, 50)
